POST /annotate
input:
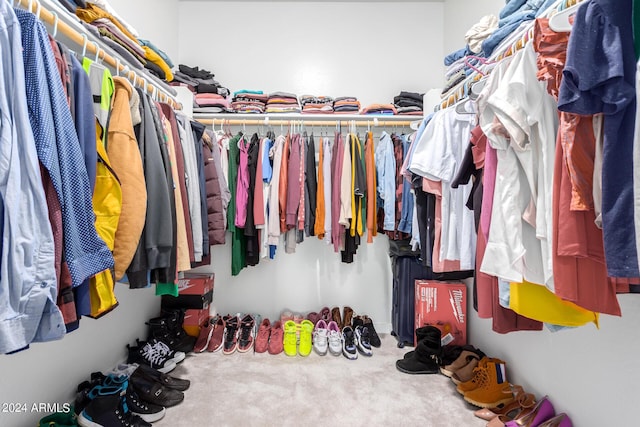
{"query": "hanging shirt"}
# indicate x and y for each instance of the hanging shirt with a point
(386, 168)
(238, 260)
(521, 232)
(599, 77)
(328, 180)
(318, 227)
(242, 186)
(59, 151)
(28, 288)
(293, 183)
(372, 206)
(274, 197)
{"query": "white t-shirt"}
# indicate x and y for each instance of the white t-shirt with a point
(524, 181)
(437, 156)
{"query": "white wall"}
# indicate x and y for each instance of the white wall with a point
(155, 20)
(588, 373)
(369, 50)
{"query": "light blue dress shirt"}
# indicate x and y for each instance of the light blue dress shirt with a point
(386, 170)
(28, 288)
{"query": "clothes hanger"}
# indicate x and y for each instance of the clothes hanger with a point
(55, 24)
(560, 21)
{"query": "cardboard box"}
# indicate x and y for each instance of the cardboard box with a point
(195, 283)
(188, 301)
(193, 319)
(444, 305)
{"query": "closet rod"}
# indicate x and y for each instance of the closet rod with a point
(51, 18)
(370, 123)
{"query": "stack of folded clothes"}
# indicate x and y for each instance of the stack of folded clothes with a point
(346, 105)
(316, 104)
(386, 109)
(249, 101)
(282, 102)
(409, 103)
(211, 103)
(198, 81)
(115, 33)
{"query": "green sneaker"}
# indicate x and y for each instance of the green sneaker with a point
(306, 332)
(290, 344)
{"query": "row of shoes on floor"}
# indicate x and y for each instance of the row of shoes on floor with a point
(136, 393)
(482, 382)
(325, 332)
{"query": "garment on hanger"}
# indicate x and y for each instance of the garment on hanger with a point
(577, 96)
(28, 269)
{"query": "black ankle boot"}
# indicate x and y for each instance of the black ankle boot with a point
(425, 358)
(168, 329)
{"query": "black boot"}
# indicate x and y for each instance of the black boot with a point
(421, 333)
(425, 358)
(168, 329)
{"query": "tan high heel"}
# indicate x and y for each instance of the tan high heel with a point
(521, 400)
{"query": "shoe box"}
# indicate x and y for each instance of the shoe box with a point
(195, 291)
(443, 305)
(195, 294)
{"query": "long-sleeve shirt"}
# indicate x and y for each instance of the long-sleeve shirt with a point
(273, 221)
(386, 169)
(328, 179)
(318, 227)
(293, 184)
(372, 207)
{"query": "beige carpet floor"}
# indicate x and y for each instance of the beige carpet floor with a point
(264, 390)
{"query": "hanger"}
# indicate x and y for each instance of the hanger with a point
(55, 24)
(38, 9)
(84, 45)
(97, 60)
(560, 21)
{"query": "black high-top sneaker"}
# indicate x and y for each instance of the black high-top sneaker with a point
(83, 390)
(147, 411)
(168, 329)
(426, 358)
(108, 407)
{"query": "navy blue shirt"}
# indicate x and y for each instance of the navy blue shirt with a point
(59, 152)
(599, 77)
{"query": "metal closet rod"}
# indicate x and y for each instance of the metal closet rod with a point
(370, 123)
(51, 18)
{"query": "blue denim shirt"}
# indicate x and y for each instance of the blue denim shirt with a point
(386, 179)
(407, 198)
(59, 152)
(28, 288)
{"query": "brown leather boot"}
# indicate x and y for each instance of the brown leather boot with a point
(335, 315)
(347, 315)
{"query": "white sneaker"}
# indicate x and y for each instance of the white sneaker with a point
(320, 342)
(334, 338)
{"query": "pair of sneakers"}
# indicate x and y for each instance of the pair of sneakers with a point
(327, 338)
(238, 334)
(211, 335)
(298, 338)
(269, 337)
(356, 341)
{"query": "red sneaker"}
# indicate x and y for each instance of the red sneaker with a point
(262, 338)
(203, 338)
(276, 343)
(215, 342)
